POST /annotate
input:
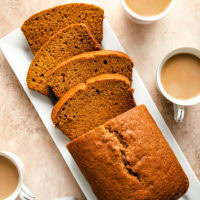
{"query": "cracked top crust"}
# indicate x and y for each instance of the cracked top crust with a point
(128, 158)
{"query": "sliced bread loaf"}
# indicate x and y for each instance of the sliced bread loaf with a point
(68, 42)
(41, 26)
(89, 105)
(84, 66)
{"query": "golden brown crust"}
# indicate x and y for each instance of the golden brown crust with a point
(128, 158)
(44, 60)
(37, 35)
(103, 77)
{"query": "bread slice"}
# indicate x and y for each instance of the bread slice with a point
(68, 42)
(129, 159)
(89, 105)
(84, 66)
(41, 26)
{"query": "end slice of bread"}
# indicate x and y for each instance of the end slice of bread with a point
(68, 42)
(41, 26)
(84, 66)
(89, 105)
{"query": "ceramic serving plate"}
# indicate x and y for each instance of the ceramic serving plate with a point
(16, 50)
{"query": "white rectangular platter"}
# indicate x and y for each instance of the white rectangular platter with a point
(16, 50)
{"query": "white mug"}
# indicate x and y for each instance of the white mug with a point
(139, 19)
(178, 103)
(21, 191)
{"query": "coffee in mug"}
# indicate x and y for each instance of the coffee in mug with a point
(148, 7)
(178, 79)
(9, 177)
(180, 76)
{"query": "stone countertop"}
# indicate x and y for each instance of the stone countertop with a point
(22, 131)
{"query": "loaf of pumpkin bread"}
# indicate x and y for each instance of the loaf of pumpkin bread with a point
(87, 65)
(68, 42)
(91, 104)
(128, 158)
(41, 26)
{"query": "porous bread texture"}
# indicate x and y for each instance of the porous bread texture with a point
(68, 42)
(128, 158)
(84, 66)
(41, 26)
(89, 105)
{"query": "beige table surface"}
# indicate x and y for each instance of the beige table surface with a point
(21, 130)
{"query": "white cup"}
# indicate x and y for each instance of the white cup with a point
(21, 190)
(179, 104)
(139, 19)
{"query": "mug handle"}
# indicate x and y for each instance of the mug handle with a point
(22, 196)
(178, 113)
(26, 194)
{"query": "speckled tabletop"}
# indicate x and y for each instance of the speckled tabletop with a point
(22, 131)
